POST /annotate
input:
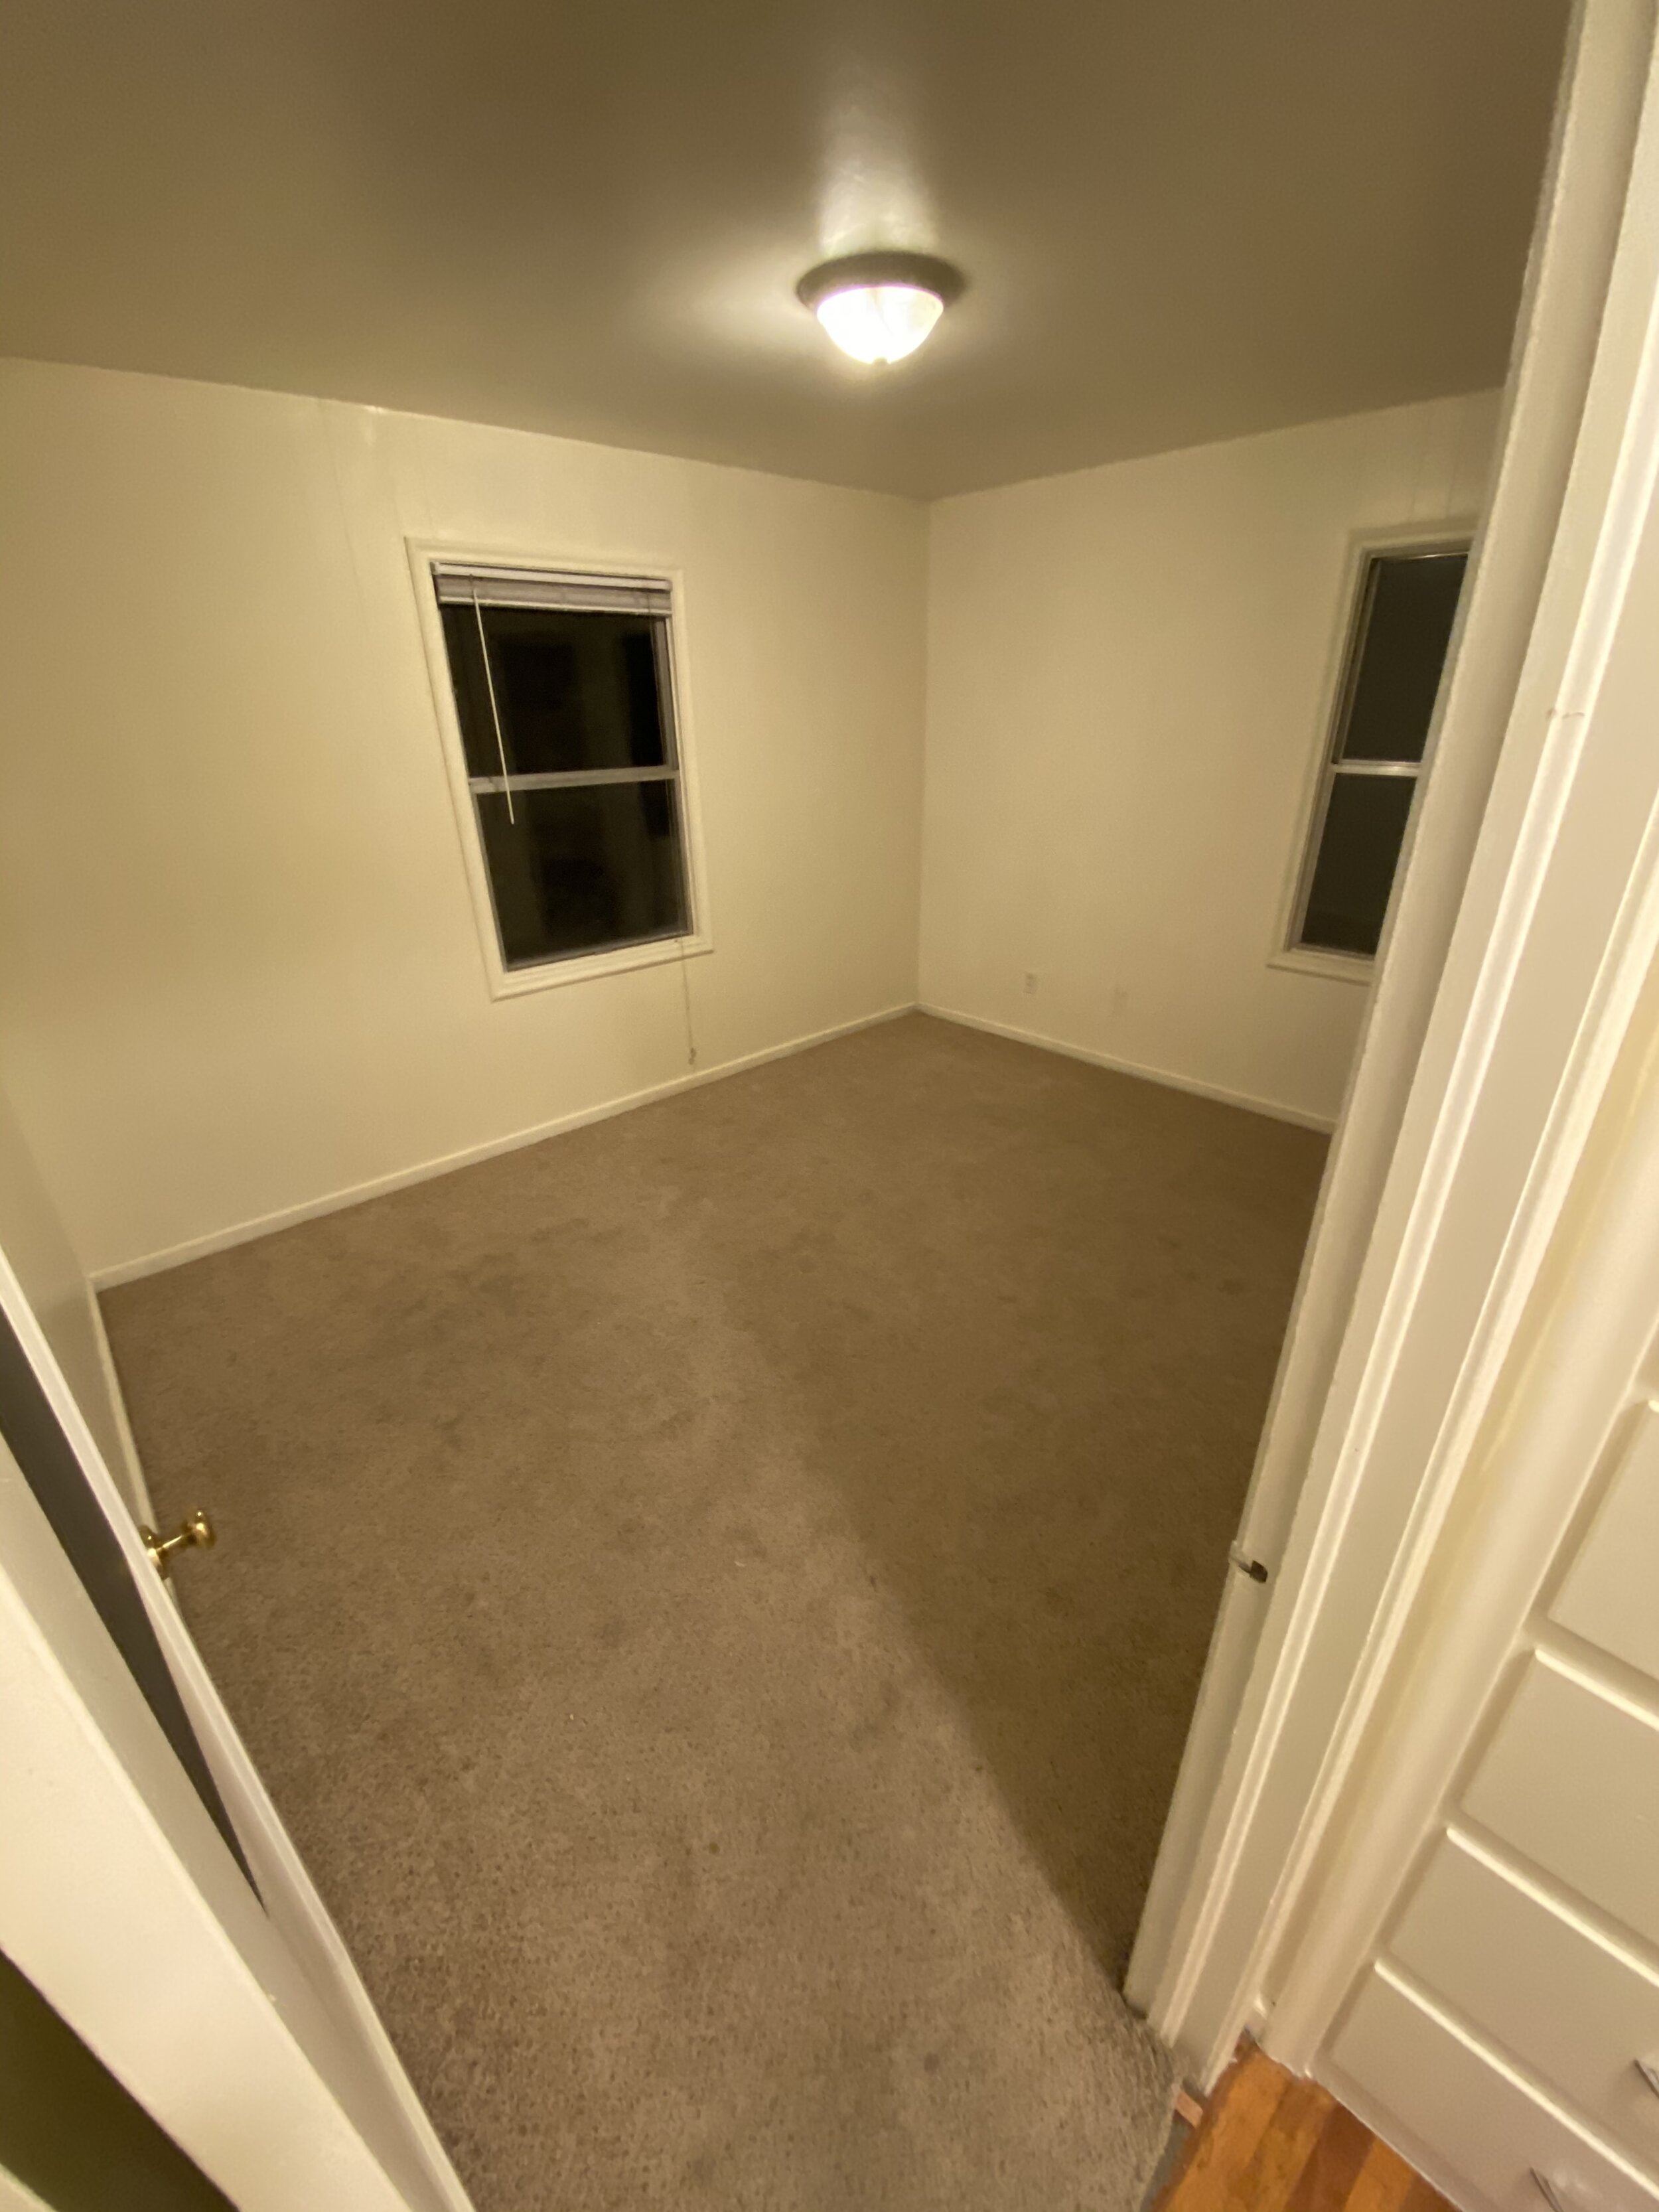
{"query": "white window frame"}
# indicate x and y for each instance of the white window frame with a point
(1453, 535)
(696, 938)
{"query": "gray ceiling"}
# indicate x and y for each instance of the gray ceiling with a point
(1181, 220)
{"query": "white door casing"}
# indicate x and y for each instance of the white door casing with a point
(1557, 923)
(1581, 205)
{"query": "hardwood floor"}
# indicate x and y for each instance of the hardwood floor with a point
(1270, 2143)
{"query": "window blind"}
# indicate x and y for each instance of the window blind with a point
(573, 593)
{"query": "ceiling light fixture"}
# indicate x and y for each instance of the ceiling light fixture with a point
(879, 307)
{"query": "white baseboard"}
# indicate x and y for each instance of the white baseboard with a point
(335, 1201)
(288, 1217)
(132, 1467)
(1271, 1107)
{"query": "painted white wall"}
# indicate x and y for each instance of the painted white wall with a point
(239, 968)
(239, 974)
(1127, 683)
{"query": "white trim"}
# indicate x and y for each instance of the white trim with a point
(502, 981)
(1620, 973)
(1546, 1890)
(1638, 1700)
(620, 960)
(1329, 967)
(335, 1201)
(137, 1485)
(1272, 1107)
(1539, 983)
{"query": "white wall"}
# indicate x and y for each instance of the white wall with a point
(239, 966)
(239, 971)
(1126, 683)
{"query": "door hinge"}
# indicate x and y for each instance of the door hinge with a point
(1247, 1565)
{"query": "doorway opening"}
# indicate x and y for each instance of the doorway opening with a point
(798, 1502)
(716, 1575)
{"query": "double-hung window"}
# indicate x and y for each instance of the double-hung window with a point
(1396, 651)
(564, 688)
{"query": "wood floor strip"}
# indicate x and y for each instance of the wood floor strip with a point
(1283, 2154)
(1241, 2111)
(1271, 2142)
(1383, 2184)
(1327, 2180)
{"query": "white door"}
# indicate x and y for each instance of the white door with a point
(1544, 430)
(147, 1888)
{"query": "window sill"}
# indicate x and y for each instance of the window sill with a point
(621, 960)
(1333, 967)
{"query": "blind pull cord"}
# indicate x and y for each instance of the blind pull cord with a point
(685, 1000)
(495, 713)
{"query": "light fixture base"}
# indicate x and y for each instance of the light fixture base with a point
(925, 271)
(878, 307)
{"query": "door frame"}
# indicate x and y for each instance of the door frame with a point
(1505, 991)
(112, 1909)
(1466, 1142)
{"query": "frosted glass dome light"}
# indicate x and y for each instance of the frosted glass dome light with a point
(879, 322)
(879, 307)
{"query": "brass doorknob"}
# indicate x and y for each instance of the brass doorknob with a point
(195, 1529)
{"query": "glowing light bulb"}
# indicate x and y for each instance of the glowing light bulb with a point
(880, 322)
(879, 307)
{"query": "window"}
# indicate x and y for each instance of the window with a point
(1391, 674)
(564, 704)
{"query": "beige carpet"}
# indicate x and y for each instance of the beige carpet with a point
(718, 1597)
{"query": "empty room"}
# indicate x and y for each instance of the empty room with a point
(732, 764)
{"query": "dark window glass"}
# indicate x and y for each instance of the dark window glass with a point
(582, 866)
(1406, 621)
(1359, 844)
(1396, 654)
(567, 725)
(572, 691)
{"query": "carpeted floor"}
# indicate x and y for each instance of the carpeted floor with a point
(718, 1596)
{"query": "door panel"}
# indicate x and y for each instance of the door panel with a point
(1607, 1597)
(223, 2000)
(1572, 1778)
(55, 1475)
(1574, 2007)
(1460, 2108)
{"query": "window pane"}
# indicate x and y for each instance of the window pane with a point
(1407, 629)
(582, 868)
(1358, 852)
(572, 690)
